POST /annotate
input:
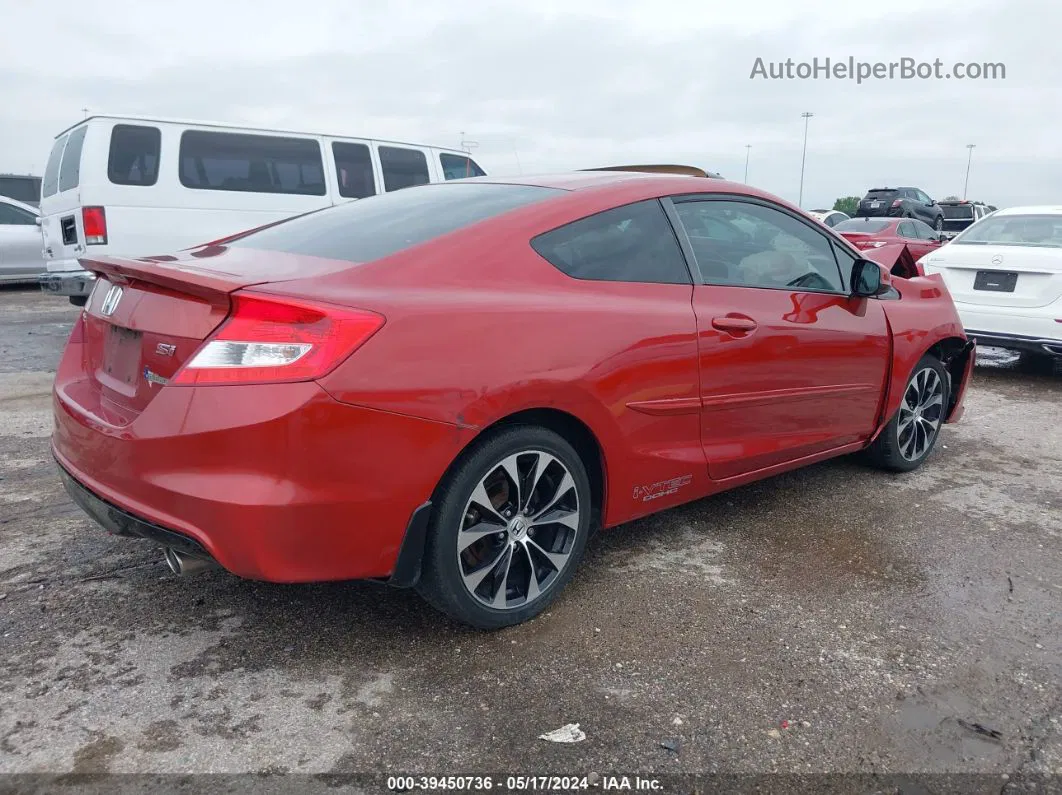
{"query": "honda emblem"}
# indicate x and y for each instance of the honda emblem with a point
(110, 301)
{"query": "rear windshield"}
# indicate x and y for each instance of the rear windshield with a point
(21, 189)
(51, 171)
(879, 194)
(70, 170)
(861, 225)
(372, 228)
(1015, 230)
(957, 210)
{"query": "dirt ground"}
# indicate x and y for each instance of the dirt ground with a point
(831, 620)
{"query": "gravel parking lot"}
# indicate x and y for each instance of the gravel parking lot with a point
(833, 619)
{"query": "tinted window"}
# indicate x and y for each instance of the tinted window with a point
(459, 167)
(633, 243)
(924, 231)
(70, 170)
(403, 168)
(381, 225)
(9, 214)
(867, 225)
(778, 250)
(251, 163)
(960, 212)
(134, 155)
(880, 195)
(907, 230)
(51, 171)
(354, 170)
(21, 189)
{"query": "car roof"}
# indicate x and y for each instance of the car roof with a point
(27, 207)
(1038, 209)
(650, 184)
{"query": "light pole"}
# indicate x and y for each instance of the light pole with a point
(969, 159)
(805, 116)
(748, 149)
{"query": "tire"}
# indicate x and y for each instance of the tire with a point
(895, 449)
(488, 583)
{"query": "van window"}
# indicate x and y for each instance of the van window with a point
(21, 189)
(403, 168)
(459, 167)
(51, 171)
(70, 170)
(251, 163)
(353, 170)
(134, 155)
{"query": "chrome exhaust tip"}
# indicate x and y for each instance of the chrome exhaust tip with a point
(183, 565)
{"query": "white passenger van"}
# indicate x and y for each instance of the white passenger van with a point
(140, 186)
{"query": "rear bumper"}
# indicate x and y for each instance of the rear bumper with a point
(1035, 330)
(279, 483)
(69, 283)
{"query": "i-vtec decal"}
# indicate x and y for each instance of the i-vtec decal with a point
(154, 378)
(655, 491)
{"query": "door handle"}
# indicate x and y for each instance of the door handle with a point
(734, 324)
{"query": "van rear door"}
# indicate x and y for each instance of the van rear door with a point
(61, 217)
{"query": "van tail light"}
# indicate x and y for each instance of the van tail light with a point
(94, 222)
(273, 340)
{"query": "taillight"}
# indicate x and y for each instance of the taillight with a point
(94, 222)
(269, 340)
(897, 202)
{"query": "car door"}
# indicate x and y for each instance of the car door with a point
(927, 208)
(790, 364)
(20, 242)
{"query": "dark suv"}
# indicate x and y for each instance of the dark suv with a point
(901, 203)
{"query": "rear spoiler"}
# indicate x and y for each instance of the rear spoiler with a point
(690, 171)
(168, 272)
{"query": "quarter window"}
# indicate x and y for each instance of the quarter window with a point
(70, 170)
(633, 243)
(774, 249)
(134, 155)
(354, 170)
(459, 166)
(403, 168)
(907, 230)
(923, 231)
(251, 163)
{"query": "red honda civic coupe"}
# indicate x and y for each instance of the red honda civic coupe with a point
(867, 233)
(451, 386)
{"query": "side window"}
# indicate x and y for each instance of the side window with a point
(251, 163)
(11, 215)
(403, 168)
(633, 243)
(134, 155)
(70, 170)
(907, 229)
(778, 250)
(923, 198)
(51, 171)
(354, 170)
(845, 261)
(924, 231)
(459, 166)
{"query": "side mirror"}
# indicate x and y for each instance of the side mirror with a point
(870, 279)
(37, 220)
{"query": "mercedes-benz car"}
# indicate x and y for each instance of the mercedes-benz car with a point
(452, 386)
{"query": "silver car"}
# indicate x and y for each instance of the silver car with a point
(21, 257)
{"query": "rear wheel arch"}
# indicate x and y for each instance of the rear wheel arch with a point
(953, 354)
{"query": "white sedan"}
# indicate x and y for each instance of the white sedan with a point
(1005, 275)
(829, 217)
(21, 258)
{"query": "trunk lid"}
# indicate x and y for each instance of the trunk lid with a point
(146, 317)
(999, 275)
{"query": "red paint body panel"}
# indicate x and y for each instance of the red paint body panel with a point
(687, 390)
(890, 235)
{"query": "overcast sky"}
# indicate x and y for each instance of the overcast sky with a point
(558, 84)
